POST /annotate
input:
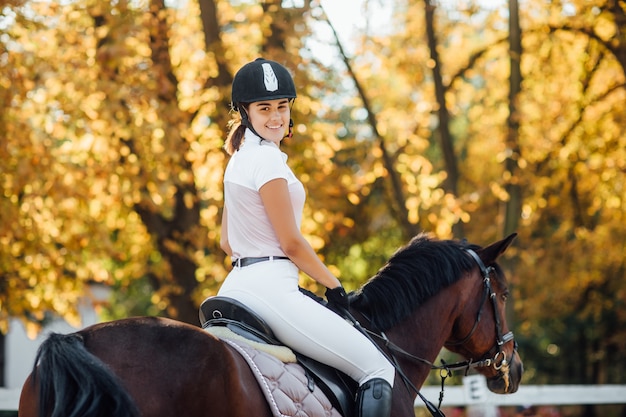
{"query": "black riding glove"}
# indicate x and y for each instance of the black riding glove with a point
(337, 300)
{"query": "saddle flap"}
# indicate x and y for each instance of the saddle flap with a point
(338, 387)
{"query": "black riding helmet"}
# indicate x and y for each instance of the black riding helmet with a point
(259, 80)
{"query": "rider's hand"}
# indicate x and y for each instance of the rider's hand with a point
(337, 300)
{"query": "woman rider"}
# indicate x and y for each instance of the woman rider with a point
(263, 203)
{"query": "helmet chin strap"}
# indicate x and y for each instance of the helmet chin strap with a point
(289, 134)
(246, 122)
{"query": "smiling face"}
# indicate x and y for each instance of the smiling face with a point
(270, 118)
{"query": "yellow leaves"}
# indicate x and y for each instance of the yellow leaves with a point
(353, 198)
(38, 96)
(90, 139)
(413, 204)
(498, 190)
(605, 27)
(92, 103)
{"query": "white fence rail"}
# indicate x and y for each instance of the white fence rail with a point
(530, 395)
(9, 399)
(468, 394)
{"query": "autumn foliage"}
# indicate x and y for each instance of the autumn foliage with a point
(113, 117)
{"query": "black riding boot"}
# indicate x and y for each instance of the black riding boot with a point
(373, 399)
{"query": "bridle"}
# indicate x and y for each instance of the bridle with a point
(499, 361)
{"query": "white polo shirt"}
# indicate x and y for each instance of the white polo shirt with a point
(257, 162)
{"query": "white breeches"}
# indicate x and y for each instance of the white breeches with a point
(270, 289)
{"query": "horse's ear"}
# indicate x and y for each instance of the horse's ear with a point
(492, 252)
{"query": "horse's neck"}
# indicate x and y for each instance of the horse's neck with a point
(422, 335)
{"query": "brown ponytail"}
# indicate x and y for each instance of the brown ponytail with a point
(236, 131)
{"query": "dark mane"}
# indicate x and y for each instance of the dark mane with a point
(414, 273)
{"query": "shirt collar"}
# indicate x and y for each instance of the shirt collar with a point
(252, 138)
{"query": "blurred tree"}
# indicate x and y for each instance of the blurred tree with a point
(443, 126)
(113, 116)
(513, 204)
(573, 147)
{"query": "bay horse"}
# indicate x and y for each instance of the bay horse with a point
(431, 293)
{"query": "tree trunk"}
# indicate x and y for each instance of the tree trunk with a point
(2, 358)
(513, 206)
(213, 43)
(177, 283)
(619, 43)
(397, 203)
(445, 137)
(170, 234)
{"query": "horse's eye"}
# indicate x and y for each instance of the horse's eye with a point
(505, 296)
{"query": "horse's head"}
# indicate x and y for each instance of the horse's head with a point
(444, 292)
(480, 331)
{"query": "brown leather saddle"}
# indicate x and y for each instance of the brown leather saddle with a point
(224, 311)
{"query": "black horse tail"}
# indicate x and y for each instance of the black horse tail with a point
(75, 383)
